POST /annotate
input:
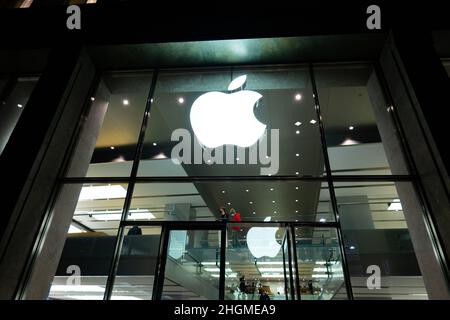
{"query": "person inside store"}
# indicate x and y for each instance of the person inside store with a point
(264, 296)
(223, 215)
(242, 284)
(235, 217)
(135, 231)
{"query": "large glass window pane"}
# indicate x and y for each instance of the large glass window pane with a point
(14, 95)
(197, 120)
(374, 225)
(319, 262)
(137, 264)
(84, 265)
(254, 200)
(188, 273)
(255, 264)
(350, 121)
(107, 143)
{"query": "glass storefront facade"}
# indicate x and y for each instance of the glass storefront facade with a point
(317, 197)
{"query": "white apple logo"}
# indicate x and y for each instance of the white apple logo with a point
(261, 241)
(219, 118)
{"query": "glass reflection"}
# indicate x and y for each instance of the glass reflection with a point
(254, 200)
(375, 231)
(85, 259)
(107, 142)
(350, 120)
(284, 103)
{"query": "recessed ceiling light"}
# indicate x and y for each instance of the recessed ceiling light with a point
(180, 100)
(351, 128)
(209, 161)
(223, 191)
(251, 202)
(237, 159)
(296, 211)
(352, 248)
(19, 105)
(298, 97)
(112, 148)
(271, 189)
(154, 144)
(297, 132)
(267, 157)
(151, 100)
(298, 123)
(125, 102)
(92, 99)
(313, 121)
(246, 190)
(274, 212)
(322, 220)
(273, 201)
(254, 212)
(297, 173)
(297, 155)
(229, 203)
(296, 200)
(296, 188)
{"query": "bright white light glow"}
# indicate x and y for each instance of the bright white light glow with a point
(125, 102)
(297, 154)
(100, 297)
(217, 269)
(297, 132)
(322, 220)
(73, 229)
(320, 276)
(211, 263)
(298, 123)
(180, 100)
(76, 288)
(313, 121)
(19, 105)
(115, 215)
(237, 83)
(321, 262)
(268, 275)
(320, 270)
(154, 144)
(298, 97)
(227, 275)
(261, 241)
(271, 269)
(102, 192)
(271, 263)
(160, 155)
(395, 205)
(349, 142)
(351, 128)
(213, 112)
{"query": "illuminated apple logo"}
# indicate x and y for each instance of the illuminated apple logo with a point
(219, 118)
(261, 241)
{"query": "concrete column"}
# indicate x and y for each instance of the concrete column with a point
(43, 134)
(425, 159)
(46, 263)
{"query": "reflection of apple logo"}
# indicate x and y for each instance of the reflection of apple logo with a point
(219, 118)
(261, 241)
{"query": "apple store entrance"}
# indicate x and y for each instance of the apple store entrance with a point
(169, 194)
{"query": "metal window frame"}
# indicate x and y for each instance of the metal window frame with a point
(166, 226)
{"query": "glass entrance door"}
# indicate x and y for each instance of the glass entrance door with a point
(191, 265)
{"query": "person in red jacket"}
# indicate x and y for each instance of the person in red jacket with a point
(235, 217)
